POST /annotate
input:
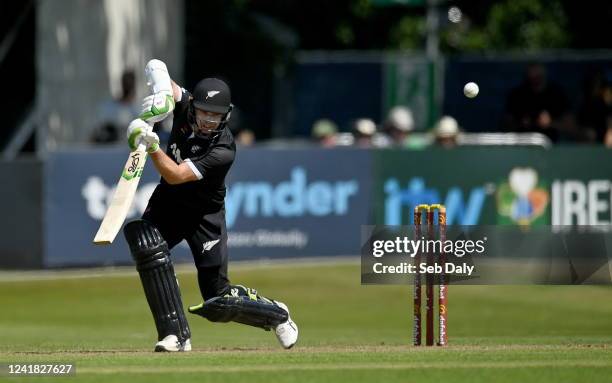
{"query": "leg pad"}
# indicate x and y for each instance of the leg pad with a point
(243, 310)
(151, 254)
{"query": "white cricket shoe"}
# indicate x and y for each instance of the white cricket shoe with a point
(171, 344)
(286, 332)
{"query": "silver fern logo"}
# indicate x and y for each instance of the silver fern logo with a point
(206, 246)
(212, 93)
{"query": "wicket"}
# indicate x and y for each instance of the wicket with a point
(430, 210)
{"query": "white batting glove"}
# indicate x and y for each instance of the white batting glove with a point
(151, 140)
(136, 132)
(157, 107)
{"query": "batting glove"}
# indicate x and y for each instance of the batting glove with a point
(157, 107)
(151, 140)
(136, 132)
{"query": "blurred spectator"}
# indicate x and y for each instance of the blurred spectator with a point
(245, 137)
(446, 132)
(595, 111)
(115, 115)
(399, 124)
(363, 131)
(608, 136)
(324, 132)
(537, 105)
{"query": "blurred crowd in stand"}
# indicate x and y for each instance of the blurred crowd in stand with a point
(397, 130)
(536, 105)
(539, 105)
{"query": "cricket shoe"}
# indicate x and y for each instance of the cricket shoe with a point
(171, 344)
(286, 332)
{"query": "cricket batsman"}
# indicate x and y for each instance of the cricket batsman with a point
(189, 204)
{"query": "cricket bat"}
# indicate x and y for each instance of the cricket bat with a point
(123, 197)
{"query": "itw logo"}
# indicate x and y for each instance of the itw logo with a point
(295, 197)
(458, 211)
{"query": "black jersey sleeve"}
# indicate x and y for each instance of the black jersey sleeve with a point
(214, 165)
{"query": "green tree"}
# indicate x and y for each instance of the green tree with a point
(514, 25)
(408, 33)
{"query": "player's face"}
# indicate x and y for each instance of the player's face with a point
(207, 122)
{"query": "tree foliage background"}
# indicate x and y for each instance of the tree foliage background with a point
(486, 25)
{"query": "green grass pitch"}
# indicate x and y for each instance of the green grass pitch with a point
(99, 320)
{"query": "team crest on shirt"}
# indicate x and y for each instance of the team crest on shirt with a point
(195, 148)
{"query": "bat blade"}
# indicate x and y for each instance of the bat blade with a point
(123, 197)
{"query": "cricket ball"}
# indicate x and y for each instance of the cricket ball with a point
(470, 90)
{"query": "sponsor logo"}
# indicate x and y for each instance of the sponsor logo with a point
(522, 199)
(98, 195)
(581, 202)
(294, 238)
(135, 161)
(133, 171)
(400, 202)
(296, 197)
